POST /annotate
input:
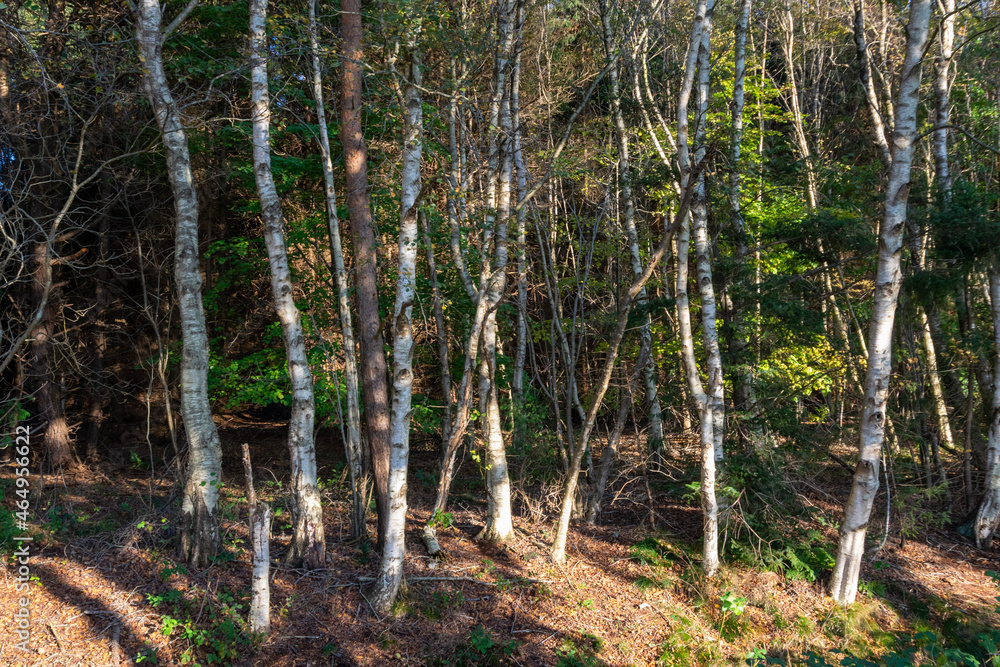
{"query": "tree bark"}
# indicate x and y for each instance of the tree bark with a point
(373, 365)
(199, 535)
(390, 575)
(988, 512)
(868, 84)
(942, 97)
(703, 251)
(709, 503)
(844, 582)
(499, 523)
(353, 446)
(308, 546)
(49, 393)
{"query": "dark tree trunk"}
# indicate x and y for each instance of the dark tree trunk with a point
(374, 385)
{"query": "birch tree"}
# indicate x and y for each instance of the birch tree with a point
(199, 534)
(697, 58)
(499, 523)
(844, 582)
(390, 574)
(988, 513)
(308, 547)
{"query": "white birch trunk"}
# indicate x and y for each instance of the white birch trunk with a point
(868, 84)
(390, 575)
(703, 252)
(802, 142)
(934, 380)
(199, 539)
(308, 547)
(353, 447)
(942, 96)
(260, 598)
(499, 523)
(988, 514)
(709, 503)
(260, 544)
(844, 582)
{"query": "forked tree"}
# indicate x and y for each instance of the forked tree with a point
(857, 512)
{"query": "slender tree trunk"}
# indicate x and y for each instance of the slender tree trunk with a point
(988, 513)
(802, 142)
(353, 447)
(844, 583)
(521, 169)
(934, 380)
(864, 65)
(703, 250)
(709, 503)
(390, 574)
(308, 547)
(499, 523)
(655, 438)
(199, 535)
(373, 365)
(49, 393)
(942, 97)
(743, 385)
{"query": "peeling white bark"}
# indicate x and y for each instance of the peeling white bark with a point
(697, 55)
(857, 512)
(308, 547)
(390, 574)
(199, 531)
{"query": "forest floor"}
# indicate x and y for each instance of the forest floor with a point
(106, 588)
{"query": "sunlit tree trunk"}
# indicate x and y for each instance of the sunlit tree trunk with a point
(199, 534)
(308, 547)
(390, 574)
(709, 504)
(844, 582)
(353, 446)
(703, 250)
(373, 365)
(499, 523)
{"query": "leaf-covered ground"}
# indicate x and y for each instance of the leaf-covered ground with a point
(106, 587)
